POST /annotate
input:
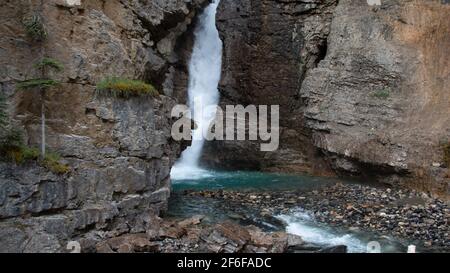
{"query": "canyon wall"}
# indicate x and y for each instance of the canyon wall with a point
(363, 91)
(379, 103)
(120, 151)
(362, 88)
(268, 48)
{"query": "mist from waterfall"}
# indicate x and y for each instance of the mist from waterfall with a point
(204, 75)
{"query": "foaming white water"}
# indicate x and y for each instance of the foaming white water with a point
(181, 172)
(204, 75)
(303, 225)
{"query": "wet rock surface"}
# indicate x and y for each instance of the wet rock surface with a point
(193, 236)
(407, 215)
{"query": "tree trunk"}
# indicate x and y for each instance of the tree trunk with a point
(42, 125)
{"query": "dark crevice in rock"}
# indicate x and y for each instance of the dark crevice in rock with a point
(323, 48)
(49, 212)
(156, 78)
(183, 49)
(158, 32)
(85, 229)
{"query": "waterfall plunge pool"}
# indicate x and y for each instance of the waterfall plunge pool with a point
(204, 75)
(296, 221)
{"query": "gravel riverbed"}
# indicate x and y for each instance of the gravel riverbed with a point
(413, 216)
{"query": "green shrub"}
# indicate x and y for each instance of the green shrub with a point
(13, 154)
(11, 137)
(382, 94)
(43, 83)
(126, 88)
(34, 83)
(30, 153)
(35, 27)
(49, 63)
(53, 164)
(21, 154)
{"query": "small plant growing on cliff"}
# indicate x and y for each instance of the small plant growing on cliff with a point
(382, 94)
(9, 136)
(35, 27)
(37, 83)
(49, 63)
(21, 154)
(53, 164)
(126, 88)
(43, 84)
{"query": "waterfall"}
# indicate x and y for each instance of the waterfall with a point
(204, 75)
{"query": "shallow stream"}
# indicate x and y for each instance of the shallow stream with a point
(296, 221)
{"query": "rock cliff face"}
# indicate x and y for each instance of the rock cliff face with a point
(363, 88)
(120, 151)
(268, 47)
(378, 103)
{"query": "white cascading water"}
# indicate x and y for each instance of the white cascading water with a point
(204, 75)
(302, 224)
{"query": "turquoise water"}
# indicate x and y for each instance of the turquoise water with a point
(296, 221)
(240, 180)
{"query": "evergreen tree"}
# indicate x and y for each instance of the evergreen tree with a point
(43, 84)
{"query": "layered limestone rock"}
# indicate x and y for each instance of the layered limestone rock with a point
(120, 151)
(193, 236)
(268, 47)
(362, 87)
(378, 104)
